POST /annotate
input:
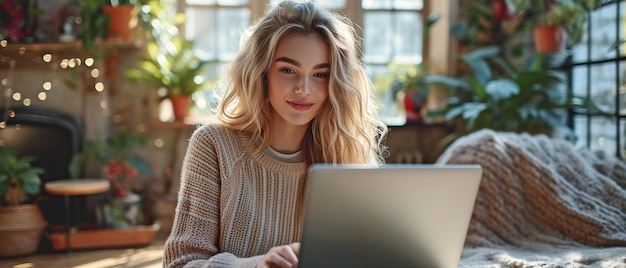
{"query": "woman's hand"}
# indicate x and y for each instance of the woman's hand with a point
(285, 256)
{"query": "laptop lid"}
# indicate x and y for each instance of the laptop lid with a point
(395, 215)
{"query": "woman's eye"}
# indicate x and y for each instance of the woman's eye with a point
(287, 70)
(321, 75)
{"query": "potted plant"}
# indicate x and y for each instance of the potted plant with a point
(554, 23)
(176, 69)
(502, 97)
(114, 19)
(117, 159)
(122, 19)
(21, 222)
(408, 83)
(92, 24)
(18, 20)
(171, 65)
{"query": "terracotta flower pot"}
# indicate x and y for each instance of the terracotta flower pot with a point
(180, 106)
(549, 39)
(123, 22)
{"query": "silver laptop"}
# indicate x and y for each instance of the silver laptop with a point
(396, 215)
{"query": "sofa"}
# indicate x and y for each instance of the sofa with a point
(542, 202)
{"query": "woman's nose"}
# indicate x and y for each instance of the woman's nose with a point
(302, 88)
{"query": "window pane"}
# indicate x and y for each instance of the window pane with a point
(390, 108)
(232, 2)
(231, 23)
(393, 4)
(623, 138)
(377, 4)
(200, 2)
(408, 41)
(602, 37)
(335, 4)
(602, 133)
(378, 36)
(579, 80)
(200, 26)
(408, 4)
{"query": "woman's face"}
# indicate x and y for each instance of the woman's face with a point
(298, 79)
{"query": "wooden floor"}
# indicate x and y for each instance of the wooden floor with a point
(148, 256)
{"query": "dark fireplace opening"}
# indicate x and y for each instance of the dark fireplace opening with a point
(52, 137)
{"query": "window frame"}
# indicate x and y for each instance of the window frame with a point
(439, 54)
(588, 63)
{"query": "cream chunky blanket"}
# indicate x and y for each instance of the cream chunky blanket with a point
(542, 203)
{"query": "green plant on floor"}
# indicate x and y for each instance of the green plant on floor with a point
(19, 179)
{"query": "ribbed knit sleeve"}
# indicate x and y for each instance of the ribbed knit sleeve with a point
(234, 203)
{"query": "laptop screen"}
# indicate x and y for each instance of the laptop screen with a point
(394, 215)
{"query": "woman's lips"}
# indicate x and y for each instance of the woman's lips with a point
(300, 105)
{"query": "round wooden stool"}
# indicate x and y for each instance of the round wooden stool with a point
(74, 187)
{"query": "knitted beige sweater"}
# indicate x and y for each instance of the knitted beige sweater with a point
(234, 204)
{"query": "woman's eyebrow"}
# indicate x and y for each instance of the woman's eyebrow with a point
(296, 63)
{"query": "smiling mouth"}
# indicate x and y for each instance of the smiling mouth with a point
(300, 106)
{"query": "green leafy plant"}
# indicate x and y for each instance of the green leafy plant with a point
(171, 62)
(123, 2)
(503, 97)
(118, 158)
(94, 23)
(570, 14)
(177, 68)
(406, 77)
(18, 178)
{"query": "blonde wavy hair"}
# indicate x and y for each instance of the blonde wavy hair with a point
(347, 129)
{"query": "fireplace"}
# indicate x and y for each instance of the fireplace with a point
(52, 137)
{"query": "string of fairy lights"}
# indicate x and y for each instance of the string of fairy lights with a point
(14, 95)
(13, 54)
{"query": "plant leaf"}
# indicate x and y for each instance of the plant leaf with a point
(501, 89)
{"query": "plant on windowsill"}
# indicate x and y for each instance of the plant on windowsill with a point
(21, 221)
(176, 72)
(172, 65)
(408, 85)
(404, 84)
(497, 95)
(555, 24)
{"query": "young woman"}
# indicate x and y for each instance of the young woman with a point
(297, 94)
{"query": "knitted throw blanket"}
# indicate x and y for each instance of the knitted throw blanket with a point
(542, 202)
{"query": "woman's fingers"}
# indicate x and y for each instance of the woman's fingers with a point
(296, 248)
(283, 256)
